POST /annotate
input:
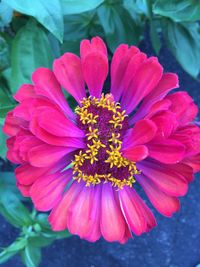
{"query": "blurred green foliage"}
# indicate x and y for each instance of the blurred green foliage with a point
(34, 33)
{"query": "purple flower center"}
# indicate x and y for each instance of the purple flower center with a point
(105, 124)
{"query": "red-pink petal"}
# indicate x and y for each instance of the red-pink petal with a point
(167, 151)
(168, 82)
(26, 91)
(97, 44)
(146, 78)
(183, 106)
(166, 179)
(47, 191)
(112, 222)
(27, 174)
(131, 211)
(58, 216)
(165, 204)
(142, 132)
(136, 153)
(95, 71)
(46, 85)
(68, 71)
(58, 124)
(46, 155)
(83, 214)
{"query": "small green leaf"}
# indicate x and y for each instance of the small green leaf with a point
(10, 205)
(40, 241)
(155, 39)
(76, 6)
(4, 54)
(118, 26)
(2, 144)
(184, 10)
(5, 14)
(30, 50)
(31, 256)
(184, 41)
(11, 250)
(49, 14)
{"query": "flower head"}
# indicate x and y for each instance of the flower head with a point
(136, 133)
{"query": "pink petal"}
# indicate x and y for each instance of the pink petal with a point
(146, 78)
(24, 189)
(166, 123)
(26, 91)
(46, 85)
(136, 153)
(59, 124)
(167, 151)
(84, 214)
(120, 62)
(97, 44)
(12, 124)
(112, 222)
(53, 139)
(131, 210)
(68, 71)
(168, 82)
(95, 71)
(142, 132)
(183, 106)
(27, 174)
(47, 191)
(58, 216)
(167, 180)
(46, 155)
(193, 162)
(184, 170)
(165, 204)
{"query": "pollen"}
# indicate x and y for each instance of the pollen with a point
(101, 161)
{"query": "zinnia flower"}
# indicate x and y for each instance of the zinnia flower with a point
(136, 133)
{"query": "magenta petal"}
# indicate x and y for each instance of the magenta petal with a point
(46, 155)
(26, 91)
(136, 153)
(131, 210)
(24, 189)
(165, 204)
(142, 132)
(95, 71)
(112, 222)
(47, 191)
(61, 126)
(167, 151)
(46, 85)
(59, 214)
(146, 78)
(69, 73)
(83, 218)
(120, 62)
(167, 180)
(97, 44)
(27, 174)
(168, 82)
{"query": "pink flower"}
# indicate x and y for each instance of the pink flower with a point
(136, 134)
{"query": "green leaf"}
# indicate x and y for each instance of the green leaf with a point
(40, 241)
(31, 256)
(49, 14)
(5, 14)
(76, 6)
(4, 54)
(2, 144)
(30, 50)
(11, 250)
(184, 10)
(6, 102)
(10, 205)
(155, 39)
(138, 6)
(118, 26)
(184, 41)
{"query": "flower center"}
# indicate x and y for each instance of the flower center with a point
(104, 124)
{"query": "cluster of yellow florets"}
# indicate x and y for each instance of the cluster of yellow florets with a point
(94, 144)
